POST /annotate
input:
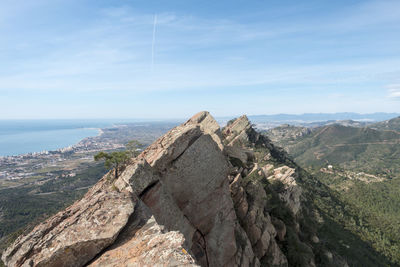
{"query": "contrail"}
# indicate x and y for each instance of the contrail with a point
(154, 40)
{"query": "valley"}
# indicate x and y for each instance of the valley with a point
(362, 167)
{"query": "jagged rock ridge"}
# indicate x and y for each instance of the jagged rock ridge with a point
(196, 196)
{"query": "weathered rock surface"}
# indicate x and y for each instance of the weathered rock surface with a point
(250, 199)
(196, 196)
(144, 242)
(76, 235)
(292, 191)
(235, 133)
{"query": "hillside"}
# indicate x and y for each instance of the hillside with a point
(25, 205)
(286, 134)
(361, 166)
(313, 117)
(393, 124)
(363, 149)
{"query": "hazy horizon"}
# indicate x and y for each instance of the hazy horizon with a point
(169, 119)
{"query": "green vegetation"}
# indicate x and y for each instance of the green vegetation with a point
(356, 149)
(133, 148)
(369, 210)
(297, 248)
(115, 160)
(359, 196)
(25, 206)
(393, 125)
(118, 159)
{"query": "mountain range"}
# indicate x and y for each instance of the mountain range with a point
(315, 117)
(361, 165)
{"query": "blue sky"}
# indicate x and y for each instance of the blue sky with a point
(103, 59)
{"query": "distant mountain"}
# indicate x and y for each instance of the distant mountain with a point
(315, 117)
(265, 122)
(393, 124)
(349, 123)
(286, 134)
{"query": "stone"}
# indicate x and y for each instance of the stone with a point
(329, 255)
(144, 242)
(74, 236)
(237, 153)
(235, 133)
(137, 177)
(280, 228)
(275, 256)
(291, 194)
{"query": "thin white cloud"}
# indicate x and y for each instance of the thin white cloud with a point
(66, 75)
(394, 91)
(116, 53)
(153, 42)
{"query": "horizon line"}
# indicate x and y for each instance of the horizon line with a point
(220, 117)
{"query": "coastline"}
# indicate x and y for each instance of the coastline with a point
(61, 149)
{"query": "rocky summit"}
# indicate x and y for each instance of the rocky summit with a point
(198, 196)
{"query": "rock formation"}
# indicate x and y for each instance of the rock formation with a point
(196, 196)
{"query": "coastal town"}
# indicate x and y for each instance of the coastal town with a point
(39, 167)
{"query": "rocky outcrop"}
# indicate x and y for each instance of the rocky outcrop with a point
(196, 196)
(287, 133)
(76, 235)
(236, 132)
(250, 199)
(291, 191)
(144, 242)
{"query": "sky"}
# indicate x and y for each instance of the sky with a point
(171, 59)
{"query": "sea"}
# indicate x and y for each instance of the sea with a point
(27, 136)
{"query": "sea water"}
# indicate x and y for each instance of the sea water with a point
(27, 136)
